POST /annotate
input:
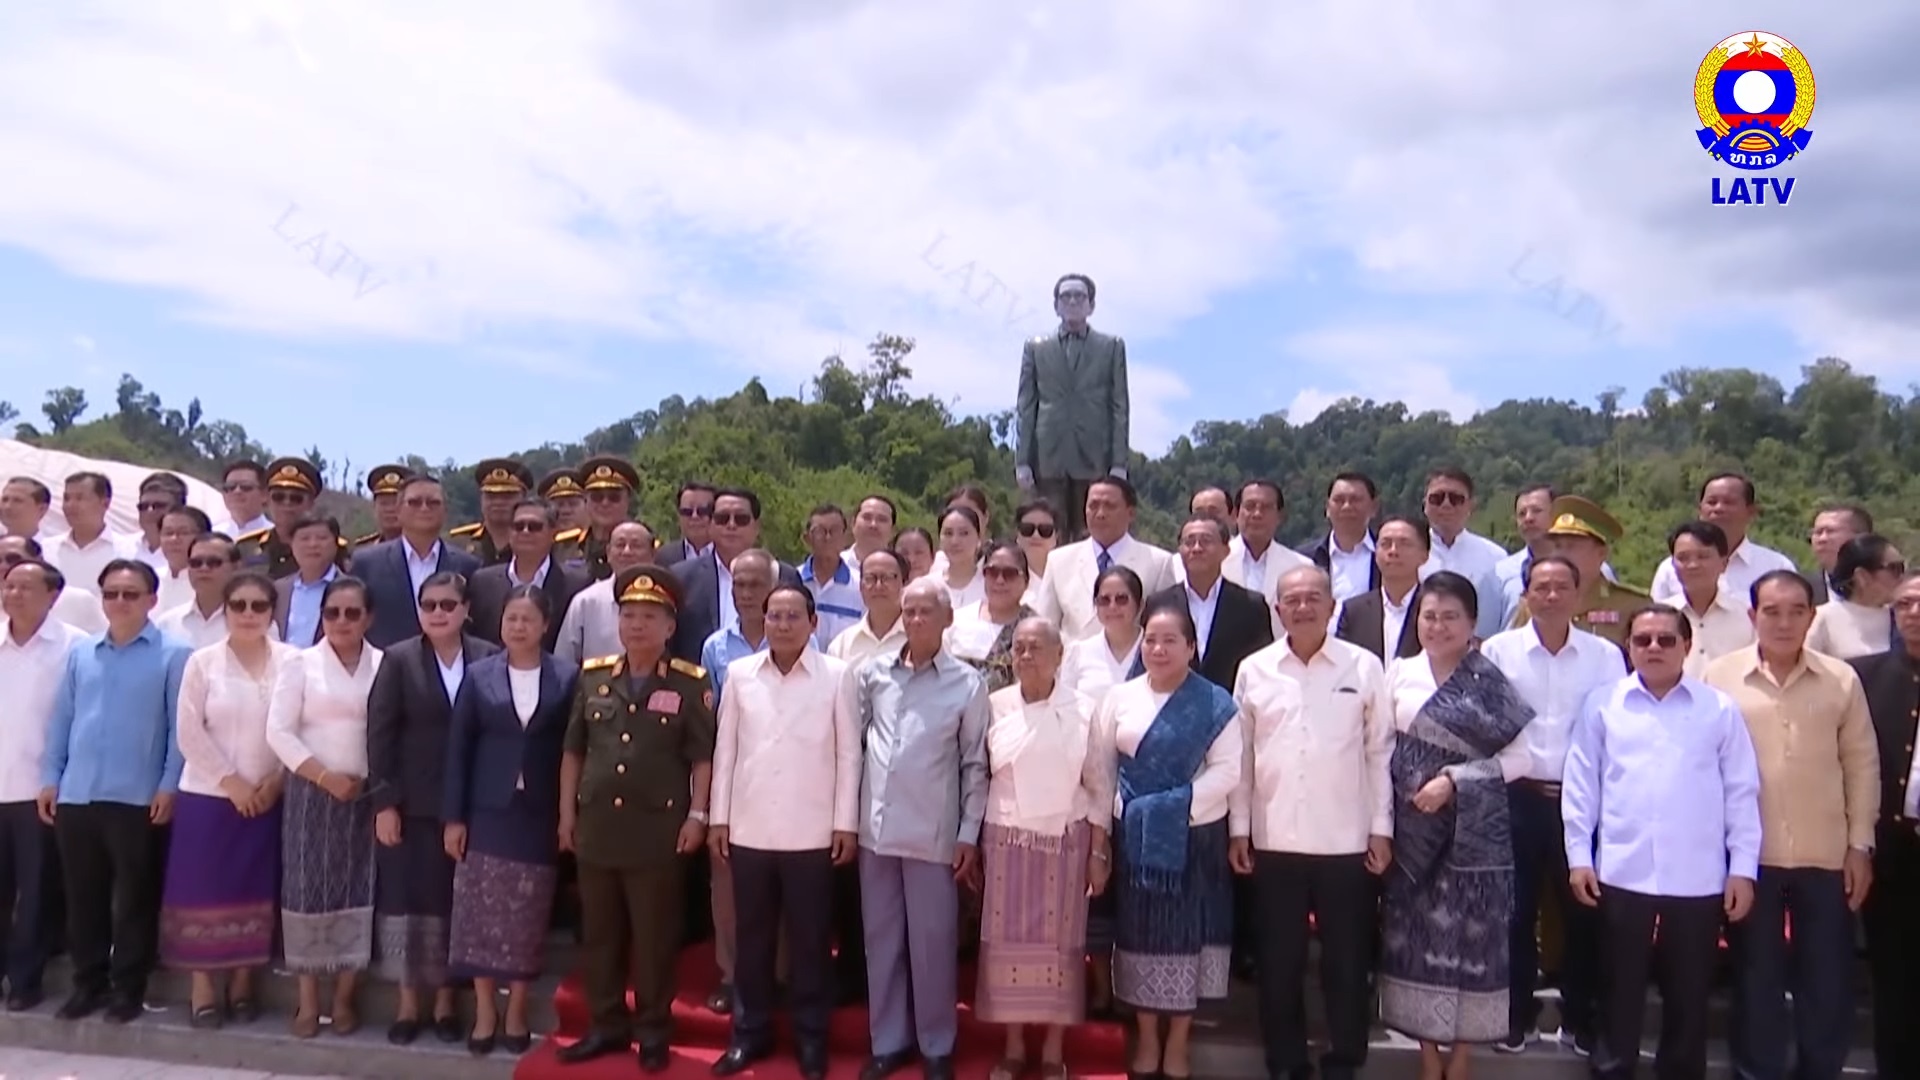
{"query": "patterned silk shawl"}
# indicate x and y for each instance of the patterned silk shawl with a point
(1458, 733)
(1156, 783)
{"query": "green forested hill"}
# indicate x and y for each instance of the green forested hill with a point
(1836, 435)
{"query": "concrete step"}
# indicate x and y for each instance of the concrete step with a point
(1395, 1058)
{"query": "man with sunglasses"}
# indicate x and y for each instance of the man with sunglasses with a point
(1071, 420)
(395, 569)
(707, 582)
(533, 562)
(202, 620)
(503, 483)
(383, 485)
(160, 494)
(1449, 504)
(293, 486)
(609, 483)
(695, 506)
(1661, 804)
(107, 781)
(243, 489)
(561, 488)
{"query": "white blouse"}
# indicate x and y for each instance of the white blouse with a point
(1410, 683)
(526, 692)
(968, 595)
(319, 710)
(1031, 597)
(222, 718)
(1054, 743)
(1843, 629)
(1089, 667)
(971, 635)
(1131, 708)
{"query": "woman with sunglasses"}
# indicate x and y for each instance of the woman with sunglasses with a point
(1855, 620)
(502, 816)
(1038, 527)
(915, 545)
(982, 634)
(317, 725)
(223, 864)
(408, 714)
(962, 542)
(1443, 977)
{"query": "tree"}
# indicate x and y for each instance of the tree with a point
(63, 407)
(8, 413)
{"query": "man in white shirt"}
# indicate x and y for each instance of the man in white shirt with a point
(24, 503)
(883, 574)
(1254, 560)
(1066, 595)
(1380, 620)
(1312, 821)
(591, 626)
(1553, 666)
(835, 584)
(33, 658)
(202, 621)
(1662, 809)
(785, 812)
(77, 608)
(1346, 552)
(1212, 501)
(160, 494)
(873, 523)
(87, 546)
(1728, 501)
(1450, 505)
(1705, 594)
(243, 488)
(1833, 525)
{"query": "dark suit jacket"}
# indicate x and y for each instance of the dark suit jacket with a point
(1318, 550)
(700, 606)
(1892, 683)
(283, 605)
(1363, 622)
(488, 751)
(487, 599)
(408, 713)
(396, 610)
(672, 553)
(1241, 627)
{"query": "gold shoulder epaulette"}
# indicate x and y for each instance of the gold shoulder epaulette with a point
(600, 662)
(367, 539)
(257, 536)
(1630, 590)
(569, 536)
(685, 668)
(474, 529)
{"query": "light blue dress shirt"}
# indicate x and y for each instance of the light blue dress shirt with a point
(1670, 785)
(303, 609)
(837, 602)
(112, 737)
(723, 647)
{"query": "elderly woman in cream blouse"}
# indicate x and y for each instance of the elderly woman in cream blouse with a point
(1049, 804)
(317, 725)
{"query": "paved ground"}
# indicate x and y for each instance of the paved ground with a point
(19, 1064)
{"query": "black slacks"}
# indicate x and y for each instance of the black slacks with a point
(26, 865)
(1682, 963)
(1540, 865)
(849, 932)
(1817, 966)
(631, 935)
(774, 890)
(111, 857)
(1892, 918)
(1339, 893)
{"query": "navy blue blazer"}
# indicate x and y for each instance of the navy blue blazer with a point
(396, 610)
(487, 749)
(699, 614)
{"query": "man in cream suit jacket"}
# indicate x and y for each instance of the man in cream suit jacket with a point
(1066, 594)
(1255, 560)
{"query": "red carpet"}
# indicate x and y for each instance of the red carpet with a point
(1094, 1051)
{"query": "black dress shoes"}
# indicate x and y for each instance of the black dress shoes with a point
(447, 1028)
(403, 1032)
(82, 1004)
(125, 1009)
(739, 1058)
(813, 1060)
(938, 1068)
(593, 1046)
(881, 1066)
(655, 1057)
(23, 1001)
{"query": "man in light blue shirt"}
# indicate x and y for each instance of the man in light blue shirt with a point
(107, 781)
(1661, 803)
(836, 597)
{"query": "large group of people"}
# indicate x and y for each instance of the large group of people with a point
(1114, 776)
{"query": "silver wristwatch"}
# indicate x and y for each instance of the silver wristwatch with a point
(698, 817)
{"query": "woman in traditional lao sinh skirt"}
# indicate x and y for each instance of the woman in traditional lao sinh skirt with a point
(223, 867)
(317, 725)
(502, 813)
(1049, 804)
(1449, 893)
(1177, 740)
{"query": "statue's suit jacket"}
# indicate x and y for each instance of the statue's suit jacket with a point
(1071, 419)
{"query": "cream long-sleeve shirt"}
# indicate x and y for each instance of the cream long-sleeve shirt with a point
(319, 710)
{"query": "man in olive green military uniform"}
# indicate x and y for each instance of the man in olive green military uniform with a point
(293, 486)
(1582, 532)
(384, 483)
(609, 483)
(633, 801)
(503, 482)
(561, 487)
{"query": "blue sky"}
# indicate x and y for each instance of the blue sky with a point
(459, 228)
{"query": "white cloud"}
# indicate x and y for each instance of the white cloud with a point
(1422, 387)
(768, 181)
(84, 343)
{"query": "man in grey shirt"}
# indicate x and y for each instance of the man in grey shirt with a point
(923, 794)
